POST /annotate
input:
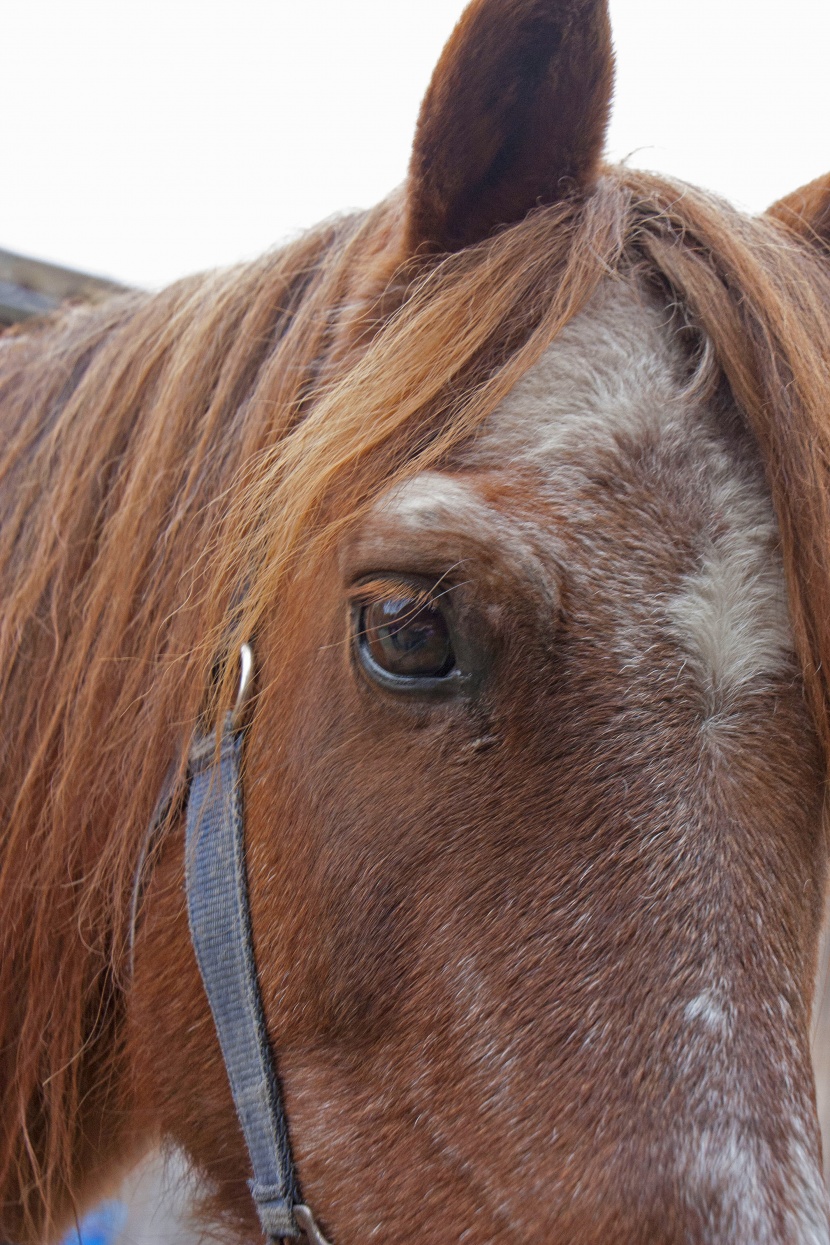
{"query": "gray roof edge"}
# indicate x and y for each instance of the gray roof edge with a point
(53, 279)
(30, 287)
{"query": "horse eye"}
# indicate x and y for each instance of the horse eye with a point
(406, 638)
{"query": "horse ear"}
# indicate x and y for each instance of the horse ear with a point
(515, 116)
(807, 211)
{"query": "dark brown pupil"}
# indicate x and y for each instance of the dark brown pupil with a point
(408, 638)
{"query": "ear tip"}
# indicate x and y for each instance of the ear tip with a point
(806, 211)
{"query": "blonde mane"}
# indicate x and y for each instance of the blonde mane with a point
(171, 464)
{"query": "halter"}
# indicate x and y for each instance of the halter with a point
(220, 928)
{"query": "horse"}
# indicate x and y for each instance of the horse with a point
(517, 487)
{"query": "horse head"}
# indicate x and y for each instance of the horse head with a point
(522, 502)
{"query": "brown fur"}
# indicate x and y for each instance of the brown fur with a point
(179, 472)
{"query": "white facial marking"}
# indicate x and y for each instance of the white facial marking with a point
(810, 1210)
(615, 381)
(708, 1011)
(731, 1179)
(611, 373)
(434, 502)
(612, 381)
(431, 498)
(731, 614)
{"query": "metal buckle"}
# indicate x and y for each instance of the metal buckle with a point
(305, 1221)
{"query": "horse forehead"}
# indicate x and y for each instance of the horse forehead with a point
(613, 389)
(614, 378)
(616, 371)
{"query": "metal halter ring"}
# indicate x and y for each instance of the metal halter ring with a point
(305, 1221)
(246, 682)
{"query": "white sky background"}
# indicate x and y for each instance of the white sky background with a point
(144, 139)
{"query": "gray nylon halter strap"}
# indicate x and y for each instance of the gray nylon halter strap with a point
(220, 927)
